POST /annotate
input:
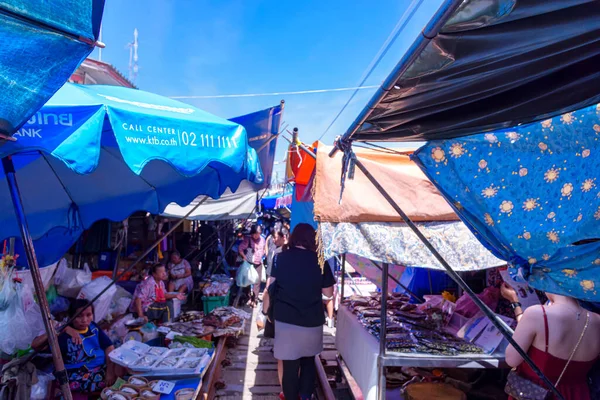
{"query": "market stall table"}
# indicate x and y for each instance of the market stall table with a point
(359, 350)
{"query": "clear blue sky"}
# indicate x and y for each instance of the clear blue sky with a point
(189, 47)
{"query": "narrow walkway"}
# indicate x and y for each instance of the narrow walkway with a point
(252, 373)
(253, 370)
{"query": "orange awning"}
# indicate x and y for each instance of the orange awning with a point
(361, 202)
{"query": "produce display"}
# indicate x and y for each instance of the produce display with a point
(219, 285)
(221, 321)
(190, 316)
(410, 328)
(194, 341)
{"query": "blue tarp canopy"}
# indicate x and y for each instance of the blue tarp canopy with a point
(43, 42)
(531, 194)
(96, 152)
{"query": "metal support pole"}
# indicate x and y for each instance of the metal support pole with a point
(343, 277)
(59, 366)
(498, 323)
(383, 334)
(410, 293)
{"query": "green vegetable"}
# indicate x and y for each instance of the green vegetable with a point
(194, 341)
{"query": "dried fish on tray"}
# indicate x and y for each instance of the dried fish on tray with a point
(410, 329)
(145, 362)
(189, 363)
(168, 362)
(157, 351)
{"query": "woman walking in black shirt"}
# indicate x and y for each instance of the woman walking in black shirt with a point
(298, 311)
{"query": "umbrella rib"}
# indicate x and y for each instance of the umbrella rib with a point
(48, 27)
(139, 176)
(59, 180)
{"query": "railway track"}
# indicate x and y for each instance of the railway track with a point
(248, 370)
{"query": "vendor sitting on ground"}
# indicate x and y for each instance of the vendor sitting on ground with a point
(180, 274)
(150, 297)
(85, 348)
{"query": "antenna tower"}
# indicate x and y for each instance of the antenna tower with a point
(133, 56)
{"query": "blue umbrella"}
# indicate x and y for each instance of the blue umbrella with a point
(96, 152)
(43, 42)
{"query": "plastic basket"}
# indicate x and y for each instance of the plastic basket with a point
(210, 303)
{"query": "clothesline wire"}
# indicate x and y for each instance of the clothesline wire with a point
(298, 92)
(402, 22)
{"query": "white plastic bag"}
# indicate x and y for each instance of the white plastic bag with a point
(69, 281)
(120, 302)
(33, 316)
(41, 390)
(246, 275)
(15, 333)
(263, 274)
(46, 272)
(102, 305)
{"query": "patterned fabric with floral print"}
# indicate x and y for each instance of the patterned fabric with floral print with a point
(396, 243)
(530, 194)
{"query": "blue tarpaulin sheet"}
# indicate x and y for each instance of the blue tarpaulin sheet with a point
(531, 195)
(43, 42)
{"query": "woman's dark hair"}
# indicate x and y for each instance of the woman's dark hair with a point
(304, 236)
(255, 229)
(155, 268)
(78, 304)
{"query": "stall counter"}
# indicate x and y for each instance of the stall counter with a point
(359, 350)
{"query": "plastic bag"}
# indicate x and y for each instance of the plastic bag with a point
(41, 390)
(467, 308)
(261, 320)
(246, 275)
(102, 305)
(263, 274)
(47, 274)
(15, 333)
(33, 316)
(120, 302)
(69, 281)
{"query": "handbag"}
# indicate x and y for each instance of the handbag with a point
(520, 388)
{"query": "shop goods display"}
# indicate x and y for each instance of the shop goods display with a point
(141, 358)
(219, 285)
(411, 328)
(221, 321)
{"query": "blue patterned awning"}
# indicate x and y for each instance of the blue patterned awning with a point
(531, 194)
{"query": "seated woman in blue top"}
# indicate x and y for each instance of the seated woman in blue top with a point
(86, 356)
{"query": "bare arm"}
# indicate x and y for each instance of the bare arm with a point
(188, 269)
(111, 375)
(242, 248)
(524, 334)
(266, 300)
(138, 307)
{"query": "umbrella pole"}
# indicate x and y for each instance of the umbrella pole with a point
(59, 366)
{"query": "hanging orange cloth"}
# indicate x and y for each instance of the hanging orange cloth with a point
(300, 167)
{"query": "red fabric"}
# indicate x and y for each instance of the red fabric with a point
(573, 385)
(160, 294)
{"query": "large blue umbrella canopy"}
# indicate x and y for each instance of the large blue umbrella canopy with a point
(96, 152)
(43, 42)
